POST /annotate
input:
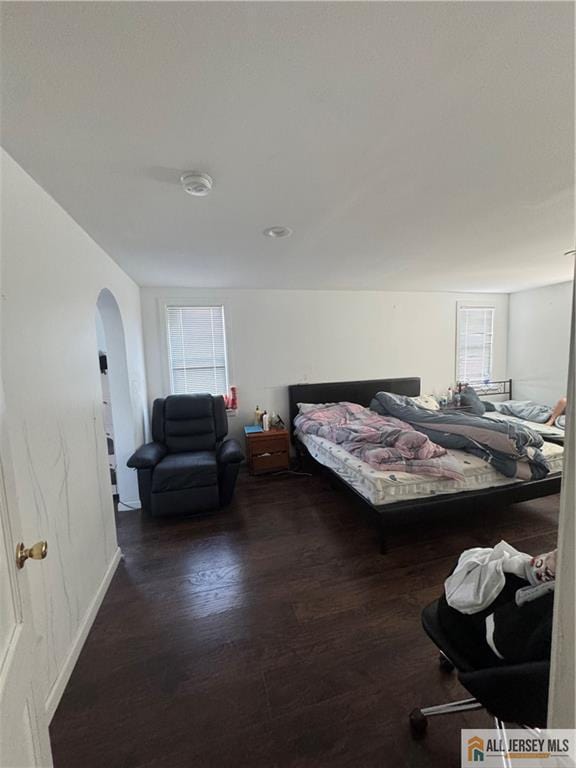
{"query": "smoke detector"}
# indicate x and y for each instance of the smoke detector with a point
(277, 232)
(196, 183)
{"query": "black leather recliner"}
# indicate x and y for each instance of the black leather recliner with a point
(189, 467)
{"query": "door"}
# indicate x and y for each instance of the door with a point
(24, 739)
(562, 699)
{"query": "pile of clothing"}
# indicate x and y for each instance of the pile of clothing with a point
(497, 605)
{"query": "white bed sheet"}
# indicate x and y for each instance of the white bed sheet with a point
(391, 487)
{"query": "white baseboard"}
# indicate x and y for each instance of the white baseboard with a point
(129, 504)
(62, 680)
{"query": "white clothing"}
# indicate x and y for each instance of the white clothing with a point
(479, 576)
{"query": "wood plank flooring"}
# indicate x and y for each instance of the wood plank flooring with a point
(275, 634)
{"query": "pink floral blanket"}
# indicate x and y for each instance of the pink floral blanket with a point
(383, 442)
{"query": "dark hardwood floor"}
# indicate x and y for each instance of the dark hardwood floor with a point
(275, 634)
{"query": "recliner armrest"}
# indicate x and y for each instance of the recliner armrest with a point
(229, 452)
(147, 456)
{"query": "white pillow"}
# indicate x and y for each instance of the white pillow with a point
(305, 407)
(428, 402)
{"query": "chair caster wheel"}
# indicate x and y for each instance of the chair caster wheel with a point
(418, 724)
(445, 663)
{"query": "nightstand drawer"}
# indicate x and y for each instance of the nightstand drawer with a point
(270, 462)
(268, 444)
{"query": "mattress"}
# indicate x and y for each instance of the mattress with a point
(381, 488)
(552, 433)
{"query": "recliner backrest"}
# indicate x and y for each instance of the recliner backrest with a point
(158, 420)
(189, 422)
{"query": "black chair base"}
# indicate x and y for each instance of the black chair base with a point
(418, 718)
(445, 664)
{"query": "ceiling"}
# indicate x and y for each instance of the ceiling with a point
(410, 146)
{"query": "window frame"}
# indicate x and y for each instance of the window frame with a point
(462, 305)
(164, 308)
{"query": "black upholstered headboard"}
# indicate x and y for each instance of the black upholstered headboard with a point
(360, 392)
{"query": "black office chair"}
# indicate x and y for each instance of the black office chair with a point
(513, 693)
(189, 467)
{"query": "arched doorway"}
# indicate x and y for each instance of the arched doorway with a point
(111, 343)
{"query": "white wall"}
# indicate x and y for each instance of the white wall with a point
(52, 276)
(538, 342)
(276, 338)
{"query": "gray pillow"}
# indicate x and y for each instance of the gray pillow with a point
(470, 399)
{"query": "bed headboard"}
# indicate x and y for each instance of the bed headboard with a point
(360, 392)
(491, 388)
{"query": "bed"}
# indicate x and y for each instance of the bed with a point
(385, 493)
(550, 434)
(504, 388)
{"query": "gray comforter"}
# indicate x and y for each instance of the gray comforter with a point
(512, 449)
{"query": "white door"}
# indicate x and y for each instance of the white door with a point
(562, 699)
(24, 739)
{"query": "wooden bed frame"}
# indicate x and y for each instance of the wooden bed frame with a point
(362, 392)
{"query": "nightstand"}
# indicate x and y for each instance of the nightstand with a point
(268, 451)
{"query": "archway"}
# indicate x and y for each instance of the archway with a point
(111, 342)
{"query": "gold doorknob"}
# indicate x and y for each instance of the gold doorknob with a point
(36, 552)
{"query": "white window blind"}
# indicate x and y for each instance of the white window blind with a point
(475, 344)
(197, 350)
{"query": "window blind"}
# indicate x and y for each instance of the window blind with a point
(197, 350)
(475, 344)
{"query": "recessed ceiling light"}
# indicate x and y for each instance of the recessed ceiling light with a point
(196, 183)
(277, 232)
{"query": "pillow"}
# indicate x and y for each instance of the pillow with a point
(470, 399)
(306, 407)
(428, 402)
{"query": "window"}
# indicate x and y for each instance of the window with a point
(197, 350)
(474, 344)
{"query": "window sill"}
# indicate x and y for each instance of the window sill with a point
(231, 412)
